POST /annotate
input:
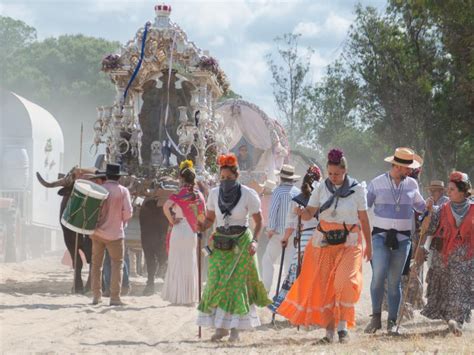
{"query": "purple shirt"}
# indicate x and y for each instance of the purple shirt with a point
(387, 214)
(115, 213)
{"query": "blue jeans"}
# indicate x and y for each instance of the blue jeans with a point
(387, 264)
(106, 272)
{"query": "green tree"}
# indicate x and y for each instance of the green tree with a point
(61, 74)
(289, 69)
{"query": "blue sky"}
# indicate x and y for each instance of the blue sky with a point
(238, 33)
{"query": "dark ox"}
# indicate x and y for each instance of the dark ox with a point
(83, 242)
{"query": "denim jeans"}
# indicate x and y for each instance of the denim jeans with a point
(106, 271)
(387, 264)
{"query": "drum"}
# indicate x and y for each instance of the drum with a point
(83, 208)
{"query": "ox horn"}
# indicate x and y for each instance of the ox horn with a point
(60, 182)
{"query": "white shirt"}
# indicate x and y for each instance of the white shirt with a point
(347, 210)
(249, 204)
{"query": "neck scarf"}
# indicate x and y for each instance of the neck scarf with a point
(343, 191)
(191, 202)
(230, 193)
(459, 210)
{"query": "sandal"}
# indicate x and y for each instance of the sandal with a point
(324, 341)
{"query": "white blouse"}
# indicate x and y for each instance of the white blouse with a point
(248, 205)
(347, 209)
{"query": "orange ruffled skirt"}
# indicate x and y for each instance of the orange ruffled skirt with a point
(328, 287)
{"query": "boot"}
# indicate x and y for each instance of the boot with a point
(375, 324)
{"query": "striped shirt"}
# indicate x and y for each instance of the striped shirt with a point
(281, 199)
(382, 197)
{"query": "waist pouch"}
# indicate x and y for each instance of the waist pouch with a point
(437, 244)
(226, 242)
(336, 236)
(231, 230)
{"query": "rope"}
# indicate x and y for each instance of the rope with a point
(139, 64)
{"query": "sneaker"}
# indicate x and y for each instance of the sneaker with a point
(117, 303)
(375, 324)
(96, 301)
(392, 327)
(343, 336)
(149, 290)
(106, 293)
(219, 334)
(234, 335)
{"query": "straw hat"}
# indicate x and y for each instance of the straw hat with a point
(405, 157)
(435, 185)
(287, 172)
(268, 186)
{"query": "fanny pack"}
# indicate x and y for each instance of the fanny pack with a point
(226, 242)
(336, 236)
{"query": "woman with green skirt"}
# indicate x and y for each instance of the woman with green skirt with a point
(234, 287)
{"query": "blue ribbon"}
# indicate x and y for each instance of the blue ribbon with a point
(139, 64)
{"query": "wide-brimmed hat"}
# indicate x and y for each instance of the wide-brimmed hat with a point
(405, 157)
(113, 170)
(287, 172)
(436, 184)
(268, 185)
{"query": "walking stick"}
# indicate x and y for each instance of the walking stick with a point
(279, 278)
(199, 276)
(423, 230)
(298, 241)
(76, 244)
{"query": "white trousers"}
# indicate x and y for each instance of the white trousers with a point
(272, 256)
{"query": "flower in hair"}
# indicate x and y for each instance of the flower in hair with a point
(186, 164)
(227, 160)
(315, 172)
(457, 176)
(335, 155)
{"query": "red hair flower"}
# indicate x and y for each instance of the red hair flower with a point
(315, 172)
(335, 155)
(227, 160)
(457, 176)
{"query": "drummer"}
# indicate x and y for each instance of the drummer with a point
(115, 213)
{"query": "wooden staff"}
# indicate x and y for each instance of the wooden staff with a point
(423, 230)
(199, 275)
(279, 278)
(298, 241)
(76, 244)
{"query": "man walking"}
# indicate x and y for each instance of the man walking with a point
(279, 205)
(115, 213)
(394, 196)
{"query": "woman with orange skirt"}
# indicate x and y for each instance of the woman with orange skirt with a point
(330, 283)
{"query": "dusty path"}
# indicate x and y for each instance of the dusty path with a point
(38, 314)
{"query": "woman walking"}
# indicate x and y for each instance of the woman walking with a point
(233, 288)
(183, 210)
(450, 277)
(310, 182)
(330, 282)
